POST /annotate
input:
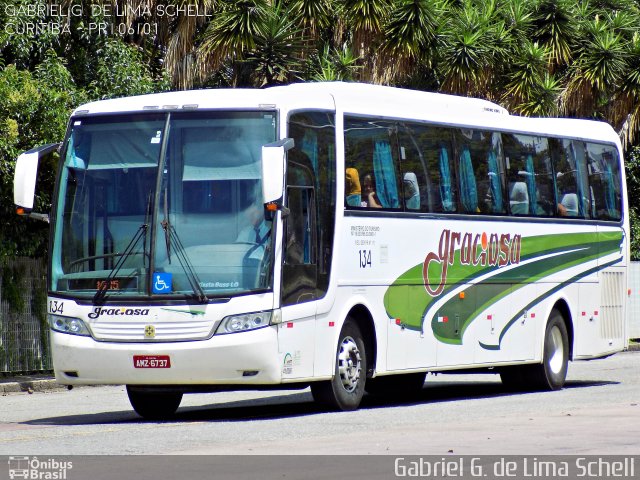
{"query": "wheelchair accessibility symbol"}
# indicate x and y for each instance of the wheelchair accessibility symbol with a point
(161, 282)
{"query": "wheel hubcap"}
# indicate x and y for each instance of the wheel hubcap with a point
(556, 359)
(349, 364)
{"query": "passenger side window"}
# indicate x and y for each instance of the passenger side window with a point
(480, 171)
(571, 179)
(427, 172)
(604, 181)
(530, 185)
(372, 170)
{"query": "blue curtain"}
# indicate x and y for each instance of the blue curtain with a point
(445, 182)
(494, 178)
(310, 148)
(531, 185)
(468, 189)
(386, 186)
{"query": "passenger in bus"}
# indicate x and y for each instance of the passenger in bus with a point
(569, 204)
(371, 200)
(353, 190)
(519, 199)
(411, 191)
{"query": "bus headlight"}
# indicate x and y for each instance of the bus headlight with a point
(244, 322)
(73, 326)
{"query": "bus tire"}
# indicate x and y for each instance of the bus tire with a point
(152, 405)
(552, 372)
(345, 390)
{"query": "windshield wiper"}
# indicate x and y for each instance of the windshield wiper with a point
(170, 235)
(141, 233)
(101, 293)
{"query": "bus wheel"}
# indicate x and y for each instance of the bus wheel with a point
(345, 390)
(153, 405)
(552, 372)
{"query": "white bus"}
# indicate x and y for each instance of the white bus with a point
(345, 237)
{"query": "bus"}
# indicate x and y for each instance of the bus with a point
(345, 237)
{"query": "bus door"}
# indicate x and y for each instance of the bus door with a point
(299, 270)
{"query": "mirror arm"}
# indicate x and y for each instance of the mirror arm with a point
(44, 217)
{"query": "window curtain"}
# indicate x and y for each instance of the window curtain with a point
(386, 186)
(531, 185)
(494, 179)
(468, 188)
(445, 181)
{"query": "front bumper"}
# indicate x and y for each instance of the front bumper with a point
(246, 358)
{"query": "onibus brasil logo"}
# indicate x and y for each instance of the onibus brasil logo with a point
(37, 469)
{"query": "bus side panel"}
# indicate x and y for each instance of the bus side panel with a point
(296, 336)
(602, 326)
(506, 332)
(587, 329)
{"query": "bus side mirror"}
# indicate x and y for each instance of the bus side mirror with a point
(24, 179)
(273, 171)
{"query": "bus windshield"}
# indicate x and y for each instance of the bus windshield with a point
(141, 214)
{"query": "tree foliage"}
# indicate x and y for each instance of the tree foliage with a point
(42, 79)
(535, 57)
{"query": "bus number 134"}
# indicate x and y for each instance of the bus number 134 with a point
(365, 258)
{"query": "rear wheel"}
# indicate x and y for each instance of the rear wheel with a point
(153, 405)
(552, 372)
(345, 390)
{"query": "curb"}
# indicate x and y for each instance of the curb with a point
(29, 385)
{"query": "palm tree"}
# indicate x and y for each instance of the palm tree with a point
(626, 106)
(476, 41)
(555, 27)
(410, 38)
(179, 38)
(363, 21)
(596, 72)
(527, 74)
(314, 16)
(231, 33)
(518, 16)
(336, 65)
(278, 52)
(543, 101)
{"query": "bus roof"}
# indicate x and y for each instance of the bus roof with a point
(360, 99)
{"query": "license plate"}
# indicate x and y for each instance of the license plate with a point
(151, 361)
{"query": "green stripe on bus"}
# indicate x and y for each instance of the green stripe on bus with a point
(543, 297)
(408, 300)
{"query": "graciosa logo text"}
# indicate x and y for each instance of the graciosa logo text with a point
(479, 250)
(98, 311)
